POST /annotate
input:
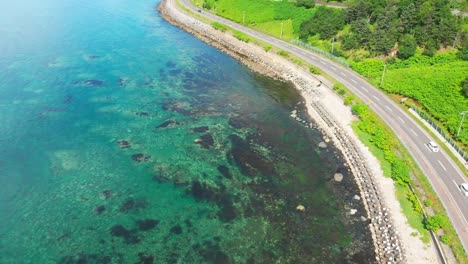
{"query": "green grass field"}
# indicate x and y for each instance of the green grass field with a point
(432, 82)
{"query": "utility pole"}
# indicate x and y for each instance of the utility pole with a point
(281, 36)
(461, 122)
(243, 17)
(333, 43)
(383, 74)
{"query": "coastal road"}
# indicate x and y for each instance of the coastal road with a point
(444, 175)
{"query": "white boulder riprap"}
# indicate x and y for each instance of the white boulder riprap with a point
(391, 233)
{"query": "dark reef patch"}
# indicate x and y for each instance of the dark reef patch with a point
(201, 129)
(206, 141)
(225, 171)
(64, 236)
(140, 157)
(145, 259)
(170, 64)
(85, 258)
(237, 122)
(142, 113)
(189, 75)
(122, 81)
(160, 178)
(100, 209)
(123, 144)
(177, 230)
(107, 194)
(175, 72)
(130, 236)
(68, 99)
(133, 205)
(176, 107)
(212, 253)
(147, 224)
(169, 123)
(247, 159)
(204, 192)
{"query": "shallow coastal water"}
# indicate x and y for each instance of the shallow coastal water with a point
(126, 140)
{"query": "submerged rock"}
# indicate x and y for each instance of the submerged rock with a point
(145, 259)
(322, 145)
(338, 177)
(206, 141)
(225, 171)
(169, 123)
(147, 224)
(176, 107)
(201, 129)
(130, 236)
(300, 208)
(107, 194)
(142, 114)
(123, 144)
(133, 204)
(100, 209)
(249, 161)
(176, 230)
(140, 157)
(85, 258)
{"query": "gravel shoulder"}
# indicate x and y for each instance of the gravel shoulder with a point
(391, 232)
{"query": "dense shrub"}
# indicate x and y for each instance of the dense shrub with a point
(219, 26)
(241, 36)
(435, 222)
(305, 3)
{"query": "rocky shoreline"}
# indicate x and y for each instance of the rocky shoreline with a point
(387, 242)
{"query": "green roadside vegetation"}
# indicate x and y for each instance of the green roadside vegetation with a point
(396, 163)
(423, 45)
(404, 171)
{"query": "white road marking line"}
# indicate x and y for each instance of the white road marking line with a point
(323, 62)
(365, 89)
(333, 68)
(458, 187)
(403, 121)
(427, 147)
(413, 132)
(342, 73)
(389, 109)
(376, 98)
(353, 81)
(442, 165)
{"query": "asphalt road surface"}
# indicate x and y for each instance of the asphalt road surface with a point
(438, 167)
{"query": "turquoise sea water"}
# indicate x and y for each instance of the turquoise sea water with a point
(125, 140)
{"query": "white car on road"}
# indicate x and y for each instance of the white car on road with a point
(433, 146)
(464, 188)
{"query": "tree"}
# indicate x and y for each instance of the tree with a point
(383, 38)
(463, 53)
(407, 47)
(326, 22)
(349, 42)
(305, 3)
(408, 18)
(464, 86)
(362, 31)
